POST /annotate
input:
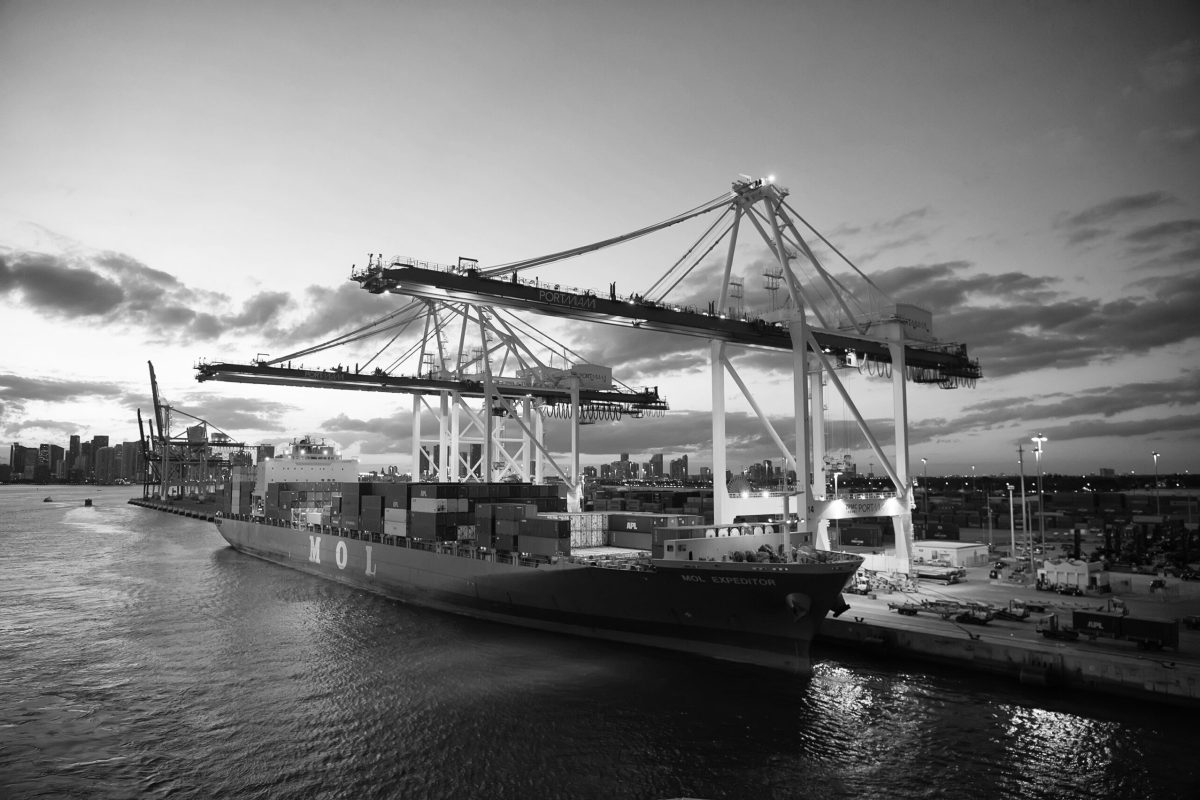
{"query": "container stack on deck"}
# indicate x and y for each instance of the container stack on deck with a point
(637, 531)
(432, 512)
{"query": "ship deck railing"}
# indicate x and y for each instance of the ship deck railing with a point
(466, 549)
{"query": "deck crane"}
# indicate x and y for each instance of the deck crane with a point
(486, 376)
(824, 324)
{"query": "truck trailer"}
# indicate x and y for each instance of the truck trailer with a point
(1149, 634)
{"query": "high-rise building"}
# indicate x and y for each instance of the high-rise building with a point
(679, 468)
(105, 464)
(430, 463)
(16, 459)
(474, 461)
(85, 462)
(42, 471)
(72, 455)
(656, 466)
(58, 462)
(132, 462)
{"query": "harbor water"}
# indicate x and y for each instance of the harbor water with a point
(141, 657)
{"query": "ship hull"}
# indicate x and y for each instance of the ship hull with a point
(761, 614)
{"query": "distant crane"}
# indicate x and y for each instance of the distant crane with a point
(178, 465)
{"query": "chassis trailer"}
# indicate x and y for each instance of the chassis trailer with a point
(1149, 634)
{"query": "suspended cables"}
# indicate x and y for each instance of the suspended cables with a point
(649, 293)
(373, 328)
(831, 246)
(517, 266)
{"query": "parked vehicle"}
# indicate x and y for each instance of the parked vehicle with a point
(1051, 629)
(1016, 611)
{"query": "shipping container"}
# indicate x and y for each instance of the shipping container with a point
(632, 539)
(1153, 633)
(543, 546)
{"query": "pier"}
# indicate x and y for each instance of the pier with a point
(1015, 648)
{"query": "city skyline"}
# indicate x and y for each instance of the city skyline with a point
(186, 183)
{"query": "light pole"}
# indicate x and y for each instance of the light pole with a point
(837, 526)
(1012, 524)
(1025, 506)
(925, 469)
(1157, 504)
(1038, 440)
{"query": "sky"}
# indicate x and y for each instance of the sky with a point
(185, 181)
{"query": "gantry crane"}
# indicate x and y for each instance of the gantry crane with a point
(824, 324)
(486, 376)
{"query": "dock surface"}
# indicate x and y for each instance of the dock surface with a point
(1016, 649)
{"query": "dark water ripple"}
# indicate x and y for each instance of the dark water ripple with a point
(143, 658)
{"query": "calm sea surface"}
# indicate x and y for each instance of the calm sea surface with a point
(141, 657)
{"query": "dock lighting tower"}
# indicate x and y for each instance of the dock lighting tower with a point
(1025, 506)
(1012, 524)
(1157, 504)
(925, 469)
(1038, 440)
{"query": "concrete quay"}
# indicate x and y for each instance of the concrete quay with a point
(1012, 648)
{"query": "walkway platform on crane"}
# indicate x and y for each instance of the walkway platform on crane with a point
(947, 362)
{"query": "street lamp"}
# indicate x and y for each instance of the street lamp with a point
(1038, 440)
(1157, 504)
(925, 468)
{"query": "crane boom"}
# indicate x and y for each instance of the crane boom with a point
(929, 363)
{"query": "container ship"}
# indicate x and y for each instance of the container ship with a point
(510, 553)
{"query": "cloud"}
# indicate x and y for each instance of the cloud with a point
(1085, 225)
(1173, 67)
(1164, 234)
(1180, 139)
(17, 391)
(235, 414)
(337, 309)
(1015, 322)
(54, 425)
(45, 282)
(120, 291)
